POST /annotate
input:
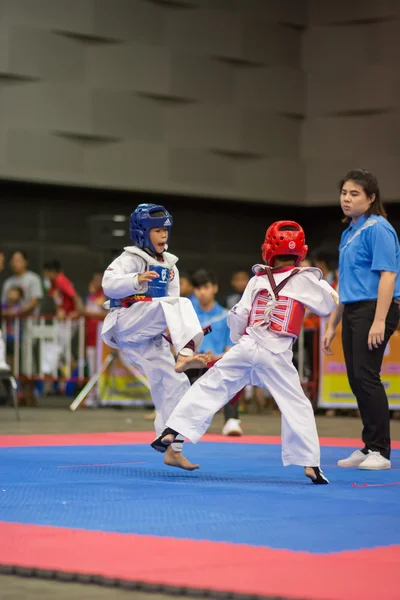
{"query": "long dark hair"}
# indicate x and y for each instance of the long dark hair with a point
(369, 183)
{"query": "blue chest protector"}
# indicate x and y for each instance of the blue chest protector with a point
(157, 288)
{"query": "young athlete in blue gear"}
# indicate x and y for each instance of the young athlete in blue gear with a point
(143, 287)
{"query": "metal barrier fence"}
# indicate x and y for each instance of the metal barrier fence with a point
(35, 345)
(42, 344)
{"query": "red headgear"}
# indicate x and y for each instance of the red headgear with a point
(289, 242)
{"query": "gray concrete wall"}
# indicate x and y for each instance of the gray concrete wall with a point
(181, 96)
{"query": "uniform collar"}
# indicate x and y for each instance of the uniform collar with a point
(358, 224)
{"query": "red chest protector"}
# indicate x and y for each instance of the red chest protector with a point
(286, 317)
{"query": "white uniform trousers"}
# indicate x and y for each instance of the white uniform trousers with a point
(250, 363)
(154, 358)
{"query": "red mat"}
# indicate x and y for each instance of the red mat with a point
(145, 437)
(365, 574)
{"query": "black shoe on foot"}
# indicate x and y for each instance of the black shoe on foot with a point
(159, 445)
(319, 476)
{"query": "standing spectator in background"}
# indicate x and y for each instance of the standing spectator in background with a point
(216, 343)
(369, 287)
(186, 287)
(3, 365)
(31, 285)
(93, 312)
(68, 306)
(12, 307)
(68, 303)
(28, 281)
(239, 280)
(325, 259)
(306, 263)
(2, 265)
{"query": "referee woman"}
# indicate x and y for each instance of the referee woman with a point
(369, 290)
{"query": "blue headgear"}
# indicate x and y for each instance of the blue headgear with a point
(141, 222)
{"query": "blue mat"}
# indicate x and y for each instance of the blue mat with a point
(241, 494)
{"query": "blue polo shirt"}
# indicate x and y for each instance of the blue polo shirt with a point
(219, 339)
(193, 300)
(367, 247)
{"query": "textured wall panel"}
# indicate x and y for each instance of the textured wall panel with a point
(278, 90)
(196, 126)
(327, 48)
(124, 115)
(47, 107)
(45, 55)
(201, 78)
(229, 98)
(4, 46)
(270, 135)
(130, 66)
(277, 11)
(74, 16)
(127, 164)
(204, 32)
(345, 11)
(40, 152)
(134, 20)
(200, 168)
(177, 96)
(385, 48)
(368, 89)
(282, 178)
(352, 137)
(350, 53)
(323, 176)
(271, 44)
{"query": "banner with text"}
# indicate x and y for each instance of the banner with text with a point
(334, 388)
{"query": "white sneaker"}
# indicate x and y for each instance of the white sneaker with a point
(354, 460)
(375, 462)
(232, 428)
(4, 366)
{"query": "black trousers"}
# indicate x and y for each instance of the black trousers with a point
(363, 370)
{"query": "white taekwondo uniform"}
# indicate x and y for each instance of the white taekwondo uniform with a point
(264, 324)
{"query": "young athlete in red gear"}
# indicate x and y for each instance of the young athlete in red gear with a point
(264, 325)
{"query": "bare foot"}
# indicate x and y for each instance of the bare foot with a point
(176, 459)
(197, 361)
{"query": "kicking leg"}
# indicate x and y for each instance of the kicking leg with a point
(212, 391)
(166, 386)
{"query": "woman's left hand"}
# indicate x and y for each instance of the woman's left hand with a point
(376, 334)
